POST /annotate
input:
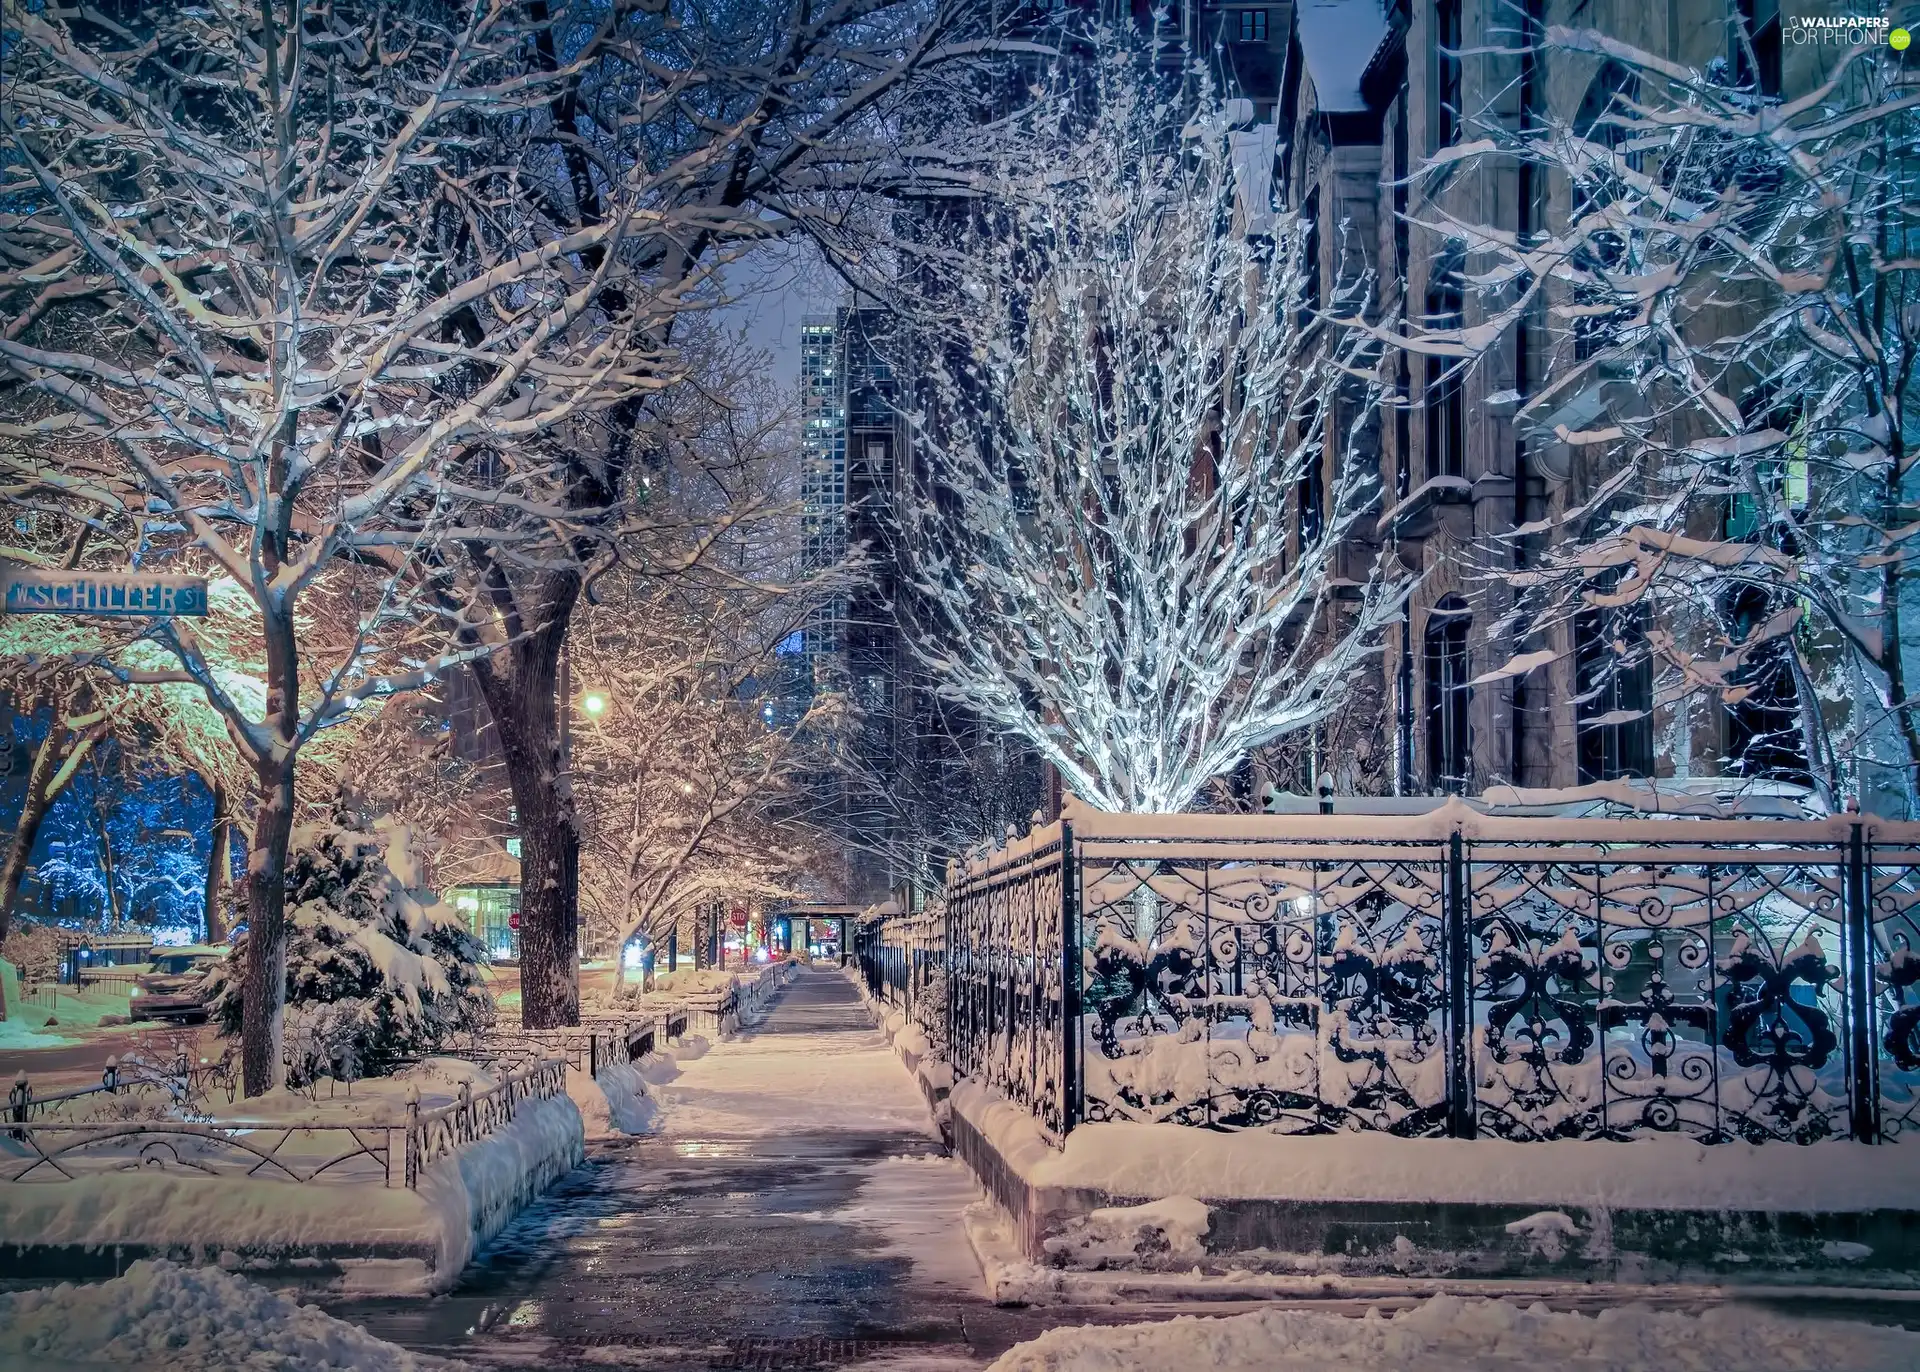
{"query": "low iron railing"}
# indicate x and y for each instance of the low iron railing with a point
(1450, 974)
(380, 1147)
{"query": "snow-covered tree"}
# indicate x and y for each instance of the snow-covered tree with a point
(286, 287)
(378, 968)
(90, 681)
(1141, 450)
(733, 125)
(696, 771)
(1730, 289)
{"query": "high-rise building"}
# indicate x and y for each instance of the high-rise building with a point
(823, 473)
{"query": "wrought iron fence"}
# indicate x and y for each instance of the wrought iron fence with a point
(382, 1147)
(902, 959)
(1452, 974)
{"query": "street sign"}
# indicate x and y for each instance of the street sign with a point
(513, 921)
(38, 591)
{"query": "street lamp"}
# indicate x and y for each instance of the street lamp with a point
(595, 704)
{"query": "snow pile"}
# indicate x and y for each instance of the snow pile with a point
(1160, 1234)
(1147, 1160)
(481, 1187)
(382, 1238)
(615, 1102)
(163, 1315)
(1452, 1334)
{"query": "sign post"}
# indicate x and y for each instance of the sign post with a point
(119, 595)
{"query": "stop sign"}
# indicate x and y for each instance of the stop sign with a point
(513, 920)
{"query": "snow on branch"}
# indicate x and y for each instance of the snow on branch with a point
(1145, 446)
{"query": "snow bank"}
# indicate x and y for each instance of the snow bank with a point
(375, 1237)
(1155, 1160)
(163, 1315)
(615, 1102)
(1452, 1334)
(483, 1185)
(1159, 1234)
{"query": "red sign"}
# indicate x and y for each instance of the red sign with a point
(513, 920)
(739, 920)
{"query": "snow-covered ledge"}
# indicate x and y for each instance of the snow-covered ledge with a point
(1658, 1209)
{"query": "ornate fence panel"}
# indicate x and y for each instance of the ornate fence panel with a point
(1293, 986)
(1890, 892)
(1007, 987)
(1452, 973)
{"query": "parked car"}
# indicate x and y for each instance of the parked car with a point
(171, 988)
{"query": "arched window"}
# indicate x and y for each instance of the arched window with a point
(1445, 662)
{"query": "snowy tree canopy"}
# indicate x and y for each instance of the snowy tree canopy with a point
(1731, 285)
(1141, 454)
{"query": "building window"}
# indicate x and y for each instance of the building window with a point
(1312, 493)
(1446, 72)
(1763, 736)
(1310, 262)
(1253, 26)
(1613, 675)
(1445, 660)
(1444, 403)
(1758, 59)
(1403, 713)
(1403, 432)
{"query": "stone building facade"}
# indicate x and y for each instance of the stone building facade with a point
(1368, 92)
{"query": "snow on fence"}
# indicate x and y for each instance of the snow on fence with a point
(381, 1148)
(720, 1010)
(901, 957)
(587, 1047)
(1452, 974)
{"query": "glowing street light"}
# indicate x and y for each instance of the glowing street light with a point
(595, 704)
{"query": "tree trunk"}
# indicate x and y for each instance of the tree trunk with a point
(219, 864)
(263, 999)
(33, 811)
(107, 867)
(54, 763)
(520, 695)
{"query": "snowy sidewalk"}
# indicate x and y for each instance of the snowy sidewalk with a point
(794, 1211)
(817, 1065)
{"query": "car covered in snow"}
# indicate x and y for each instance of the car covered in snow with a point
(173, 986)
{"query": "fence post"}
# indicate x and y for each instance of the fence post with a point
(410, 1150)
(1856, 953)
(593, 1055)
(1069, 983)
(1459, 954)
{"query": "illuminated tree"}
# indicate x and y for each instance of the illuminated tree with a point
(1143, 454)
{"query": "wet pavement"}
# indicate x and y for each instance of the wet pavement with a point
(724, 1250)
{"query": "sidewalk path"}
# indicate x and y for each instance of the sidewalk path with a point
(798, 1213)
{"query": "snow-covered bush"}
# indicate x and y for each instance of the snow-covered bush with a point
(378, 969)
(34, 950)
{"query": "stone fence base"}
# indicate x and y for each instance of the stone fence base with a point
(1663, 1211)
